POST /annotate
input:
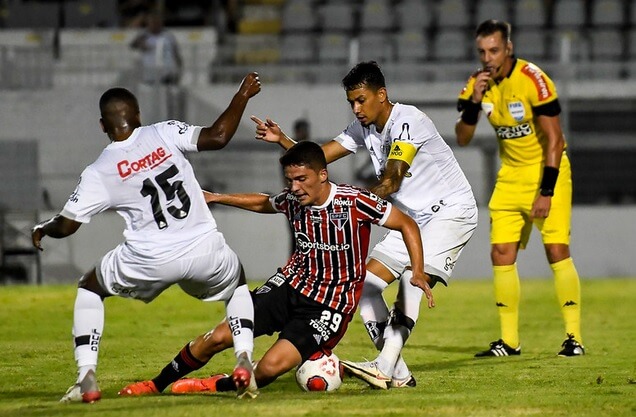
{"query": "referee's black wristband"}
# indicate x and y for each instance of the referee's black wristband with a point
(470, 115)
(548, 182)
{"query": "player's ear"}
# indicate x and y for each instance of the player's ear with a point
(510, 48)
(101, 123)
(382, 94)
(323, 175)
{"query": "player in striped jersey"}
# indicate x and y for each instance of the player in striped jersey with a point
(170, 236)
(534, 183)
(311, 300)
(417, 170)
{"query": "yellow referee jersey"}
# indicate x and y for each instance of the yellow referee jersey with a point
(511, 107)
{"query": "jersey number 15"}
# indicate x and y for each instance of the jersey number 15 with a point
(170, 190)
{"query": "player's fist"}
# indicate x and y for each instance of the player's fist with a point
(251, 85)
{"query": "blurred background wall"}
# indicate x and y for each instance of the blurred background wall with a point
(57, 57)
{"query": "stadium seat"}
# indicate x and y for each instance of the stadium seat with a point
(298, 48)
(299, 16)
(413, 15)
(450, 45)
(608, 13)
(375, 46)
(491, 9)
(577, 43)
(337, 17)
(91, 13)
(376, 15)
(530, 44)
(607, 44)
(453, 14)
(529, 14)
(411, 46)
(333, 48)
(569, 14)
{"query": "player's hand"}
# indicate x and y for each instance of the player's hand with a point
(482, 78)
(421, 281)
(37, 233)
(251, 85)
(541, 207)
(267, 131)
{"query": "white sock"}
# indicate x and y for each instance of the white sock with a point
(394, 337)
(373, 308)
(409, 297)
(240, 316)
(88, 325)
(408, 302)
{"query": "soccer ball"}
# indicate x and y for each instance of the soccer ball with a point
(321, 372)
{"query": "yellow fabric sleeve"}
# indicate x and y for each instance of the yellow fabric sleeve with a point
(403, 151)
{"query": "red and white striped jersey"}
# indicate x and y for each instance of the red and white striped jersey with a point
(332, 243)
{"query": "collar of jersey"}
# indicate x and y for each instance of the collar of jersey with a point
(332, 193)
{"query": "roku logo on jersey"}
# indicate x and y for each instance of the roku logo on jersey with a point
(150, 161)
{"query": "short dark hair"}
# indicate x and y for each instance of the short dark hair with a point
(305, 153)
(492, 26)
(118, 94)
(363, 74)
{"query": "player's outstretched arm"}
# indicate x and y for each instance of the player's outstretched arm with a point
(256, 202)
(411, 234)
(57, 227)
(223, 129)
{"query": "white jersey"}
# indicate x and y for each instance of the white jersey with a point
(434, 178)
(150, 183)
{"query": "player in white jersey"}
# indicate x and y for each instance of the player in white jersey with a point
(417, 170)
(170, 236)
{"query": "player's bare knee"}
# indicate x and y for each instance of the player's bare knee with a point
(207, 345)
(89, 282)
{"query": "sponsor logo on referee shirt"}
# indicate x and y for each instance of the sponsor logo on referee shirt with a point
(513, 132)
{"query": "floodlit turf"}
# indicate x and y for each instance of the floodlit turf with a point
(37, 366)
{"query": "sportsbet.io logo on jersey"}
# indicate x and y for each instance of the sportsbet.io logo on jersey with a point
(304, 245)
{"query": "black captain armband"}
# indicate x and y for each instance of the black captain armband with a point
(470, 115)
(548, 182)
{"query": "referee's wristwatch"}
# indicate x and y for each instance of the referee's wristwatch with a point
(546, 193)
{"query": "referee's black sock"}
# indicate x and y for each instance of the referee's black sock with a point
(181, 365)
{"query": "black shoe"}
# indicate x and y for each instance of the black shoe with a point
(499, 348)
(571, 347)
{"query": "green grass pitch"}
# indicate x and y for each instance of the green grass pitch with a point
(37, 365)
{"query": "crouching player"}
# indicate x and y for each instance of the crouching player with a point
(311, 300)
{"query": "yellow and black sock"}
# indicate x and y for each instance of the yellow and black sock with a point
(568, 290)
(507, 295)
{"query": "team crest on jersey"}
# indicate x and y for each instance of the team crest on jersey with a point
(404, 134)
(339, 219)
(183, 127)
(517, 111)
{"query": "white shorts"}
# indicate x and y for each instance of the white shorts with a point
(444, 235)
(210, 271)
